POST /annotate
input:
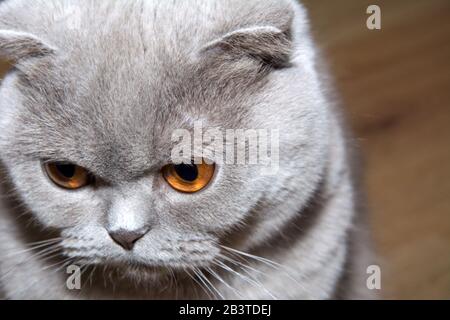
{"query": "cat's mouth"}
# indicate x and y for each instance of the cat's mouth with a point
(127, 263)
(159, 258)
(127, 276)
(133, 268)
(137, 267)
(138, 271)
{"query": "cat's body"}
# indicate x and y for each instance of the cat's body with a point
(103, 84)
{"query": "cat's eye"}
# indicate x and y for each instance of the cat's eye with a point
(67, 175)
(188, 178)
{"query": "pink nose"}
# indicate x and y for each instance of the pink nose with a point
(127, 238)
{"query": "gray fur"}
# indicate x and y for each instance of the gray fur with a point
(105, 88)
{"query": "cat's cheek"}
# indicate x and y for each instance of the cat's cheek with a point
(49, 205)
(217, 210)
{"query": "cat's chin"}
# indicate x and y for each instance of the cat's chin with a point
(135, 271)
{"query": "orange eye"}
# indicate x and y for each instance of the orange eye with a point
(188, 178)
(67, 176)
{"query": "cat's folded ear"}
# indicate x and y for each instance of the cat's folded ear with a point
(268, 42)
(269, 45)
(18, 46)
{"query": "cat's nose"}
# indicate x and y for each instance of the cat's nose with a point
(127, 238)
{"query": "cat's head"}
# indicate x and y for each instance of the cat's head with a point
(88, 113)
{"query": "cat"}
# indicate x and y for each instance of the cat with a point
(87, 114)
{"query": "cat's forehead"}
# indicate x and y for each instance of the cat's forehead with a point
(116, 117)
(123, 81)
(119, 122)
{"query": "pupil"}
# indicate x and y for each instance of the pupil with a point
(187, 172)
(67, 170)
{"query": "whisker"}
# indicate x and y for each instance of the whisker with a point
(210, 283)
(205, 285)
(214, 296)
(89, 278)
(271, 263)
(245, 278)
(240, 261)
(197, 282)
(83, 269)
(173, 282)
(55, 264)
(30, 285)
(241, 265)
(42, 245)
(244, 268)
(211, 271)
(42, 255)
(258, 258)
(44, 241)
(92, 275)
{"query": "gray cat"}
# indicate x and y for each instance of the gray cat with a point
(87, 117)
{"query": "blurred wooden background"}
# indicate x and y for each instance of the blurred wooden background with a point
(395, 84)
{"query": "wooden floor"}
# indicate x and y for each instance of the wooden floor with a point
(395, 84)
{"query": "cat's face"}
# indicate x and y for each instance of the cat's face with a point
(111, 108)
(124, 145)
